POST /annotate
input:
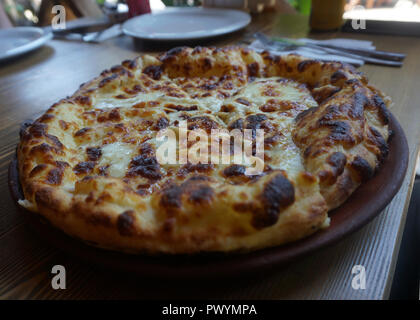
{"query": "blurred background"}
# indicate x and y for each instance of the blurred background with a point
(38, 12)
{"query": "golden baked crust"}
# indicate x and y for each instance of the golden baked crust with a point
(89, 163)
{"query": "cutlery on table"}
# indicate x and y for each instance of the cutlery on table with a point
(367, 55)
(90, 33)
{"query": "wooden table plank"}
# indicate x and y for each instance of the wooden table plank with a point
(28, 86)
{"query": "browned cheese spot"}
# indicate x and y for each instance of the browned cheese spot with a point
(145, 164)
(37, 170)
(83, 100)
(44, 198)
(93, 153)
(277, 194)
(337, 161)
(63, 124)
(154, 72)
(306, 64)
(180, 107)
(253, 69)
(171, 198)
(208, 86)
(82, 132)
(376, 139)
(130, 64)
(55, 176)
(234, 170)
(195, 189)
(301, 116)
(199, 167)
(339, 130)
(323, 93)
(107, 80)
(84, 167)
(44, 149)
(114, 115)
(46, 117)
(227, 108)
(125, 223)
(362, 168)
(162, 123)
(382, 109)
(202, 122)
(243, 101)
(337, 76)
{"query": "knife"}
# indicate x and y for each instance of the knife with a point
(109, 33)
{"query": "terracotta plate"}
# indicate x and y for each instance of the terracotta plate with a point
(365, 203)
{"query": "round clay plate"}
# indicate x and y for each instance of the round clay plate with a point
(19, 40)
(186, 23)
(364, 204)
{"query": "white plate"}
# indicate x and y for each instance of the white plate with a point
(19, 40)
(186, 23)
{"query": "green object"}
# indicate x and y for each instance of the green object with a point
(302, 6)
(305, 7)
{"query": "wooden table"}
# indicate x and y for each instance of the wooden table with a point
(28, 86)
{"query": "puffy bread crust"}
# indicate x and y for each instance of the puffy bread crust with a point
(335, 139)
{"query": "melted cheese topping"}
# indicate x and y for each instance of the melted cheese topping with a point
(278, 100)
(286, 155)
(262, 90)
(117, 156)
(120, 124)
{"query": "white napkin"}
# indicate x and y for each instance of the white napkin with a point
(319, 54)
